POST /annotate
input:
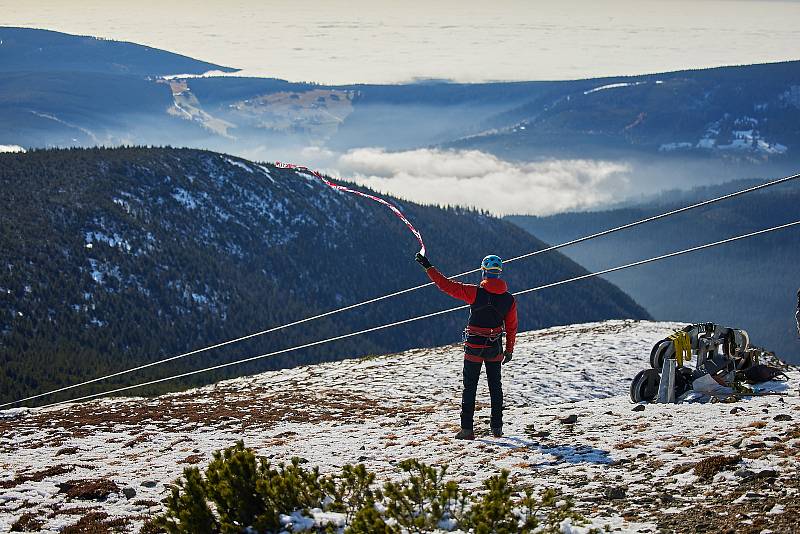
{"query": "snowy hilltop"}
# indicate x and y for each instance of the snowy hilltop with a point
(570, 426)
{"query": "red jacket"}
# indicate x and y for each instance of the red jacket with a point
(467, 293)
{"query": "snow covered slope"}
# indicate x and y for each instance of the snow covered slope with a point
(630, 470)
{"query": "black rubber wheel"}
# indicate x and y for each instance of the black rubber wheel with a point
(662, 352)
(654, 350)
(644, 387)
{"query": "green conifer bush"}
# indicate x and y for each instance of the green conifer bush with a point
(242, 492)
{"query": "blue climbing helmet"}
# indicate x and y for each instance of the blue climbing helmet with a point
(492, 266)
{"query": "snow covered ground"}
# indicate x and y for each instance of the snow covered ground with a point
(629, 470)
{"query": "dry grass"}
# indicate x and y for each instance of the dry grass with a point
(192, 459)
(92, 489)
(629, 444)
(38, 476)
(708, 467)
(681, 469)
(77, 510)
(219, 408)
(95, 523)
(28, 522)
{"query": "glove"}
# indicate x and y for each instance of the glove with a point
(422, 260)
(508, 357)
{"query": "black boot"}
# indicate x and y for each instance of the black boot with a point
(465, 433)
(497, 431)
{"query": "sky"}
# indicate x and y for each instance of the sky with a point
(392, 41)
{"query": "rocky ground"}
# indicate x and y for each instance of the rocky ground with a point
(716, 467)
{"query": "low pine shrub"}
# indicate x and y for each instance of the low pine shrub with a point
(424, 501)
(494, 510)
(241, 492)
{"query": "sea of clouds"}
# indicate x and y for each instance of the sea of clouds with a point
(481, 180)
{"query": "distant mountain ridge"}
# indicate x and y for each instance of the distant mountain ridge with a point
(115, 257)
(747, 112)
(750, 284)
(35, 50)
(726, 120)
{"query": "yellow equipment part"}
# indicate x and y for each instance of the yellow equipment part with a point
(683, 346)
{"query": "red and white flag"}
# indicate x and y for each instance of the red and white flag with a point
(386, 203)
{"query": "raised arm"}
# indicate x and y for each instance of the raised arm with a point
(457, 290)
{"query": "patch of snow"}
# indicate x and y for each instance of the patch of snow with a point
(234, 250)
(706, 143)
(99, 271)
(319, 520)
(777, 509)
(746, 121)
(124, 204)
(184, 198)
(792, 96)
(266, 172)
(114, 241)
(239, 164)
(307, 176)
(736, 144)
(613, 86)
(97, 276)
(221, 213)
(670, 147)
(675, 510)
(207, 74)
(767, 148)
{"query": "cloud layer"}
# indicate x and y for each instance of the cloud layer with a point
(481, 180)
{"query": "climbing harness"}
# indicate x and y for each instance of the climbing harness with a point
(483, 344)
(483, 336)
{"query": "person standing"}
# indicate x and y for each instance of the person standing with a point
(493, 313)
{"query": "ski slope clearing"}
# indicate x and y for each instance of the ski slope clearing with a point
(569, 425)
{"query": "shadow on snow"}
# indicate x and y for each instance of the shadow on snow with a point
(563, 453)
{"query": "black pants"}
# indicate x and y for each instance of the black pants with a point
(472, 371)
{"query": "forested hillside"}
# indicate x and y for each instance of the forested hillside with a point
(115, 257)
(749, 284)
(35, 50)
(744, 113)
